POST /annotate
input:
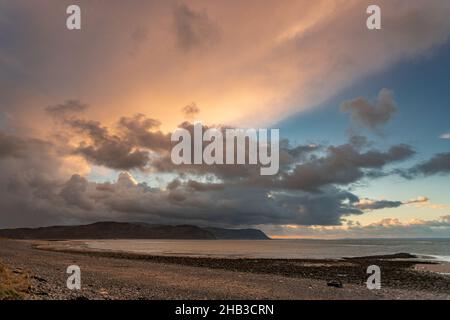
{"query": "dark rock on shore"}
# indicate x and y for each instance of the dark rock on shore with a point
(335, 283)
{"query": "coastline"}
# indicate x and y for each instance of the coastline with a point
(118, 275)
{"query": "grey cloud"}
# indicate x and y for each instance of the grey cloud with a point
(421, 199)
(302, 167)
(138, 37)
(380, 204)
(201, 186)
(125, 148)
(372, 116)
(342, 165)
(66, 108)
(31, 174)
(250, 174)
(138, 123)
(438, 164)
(12, 146)
(193, 29)
(226, 172)
(137, 130)
(292, 154)
(74, 192)
(191, 110)
(114, 154)
(194, 202)
(128, 149)
(105, 149)
(368, 204)
(305, 193)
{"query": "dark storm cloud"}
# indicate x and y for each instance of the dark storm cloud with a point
(193, 29)
(299, 152)
(74, 193)
(245, 174)
(104, 149)
(372, 116)
(30, 175)
(36, 187)
(137, 131)
(200, 186)
(12, 146)
(226, 172)
(114, 154)
(308, 190)
(124, 150)
(342, 165)
(198, 203)
(302, 167)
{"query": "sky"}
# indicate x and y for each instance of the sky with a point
(86, 115)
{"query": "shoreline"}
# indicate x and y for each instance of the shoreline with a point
(84, 247)
(198, 278)
(231, 249)
(344, 269)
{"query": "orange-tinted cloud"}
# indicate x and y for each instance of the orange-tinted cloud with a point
(155, 57)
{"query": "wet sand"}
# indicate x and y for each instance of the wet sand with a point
(113, 275)
(441, 268)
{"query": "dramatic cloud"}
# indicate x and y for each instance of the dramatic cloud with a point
(126, 146)
(199, 51)
(35, 179)
(31, 173)
(154, 57)
(204, 204)
(372, 116)
(143, 132)
(342, 165)
(206, 195)
(105, 149)
(305, 192)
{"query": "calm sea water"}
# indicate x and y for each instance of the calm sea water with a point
(435, 248)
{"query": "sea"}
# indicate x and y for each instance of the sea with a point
(426, 249)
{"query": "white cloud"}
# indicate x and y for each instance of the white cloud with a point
(385, 228)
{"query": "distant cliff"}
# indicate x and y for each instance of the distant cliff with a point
(122, 230)
(238, 234)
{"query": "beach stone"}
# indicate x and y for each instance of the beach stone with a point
(335, 283)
